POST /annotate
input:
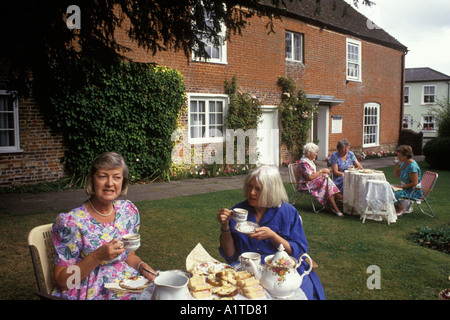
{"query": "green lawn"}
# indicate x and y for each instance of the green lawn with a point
(343, 248)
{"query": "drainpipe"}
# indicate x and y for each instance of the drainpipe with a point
(402, 93)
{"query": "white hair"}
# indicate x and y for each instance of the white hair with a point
(309, 148)
(273, 193)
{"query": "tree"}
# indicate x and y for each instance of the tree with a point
(33, 32)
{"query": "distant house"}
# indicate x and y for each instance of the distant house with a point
(351, 69)
(424, 88)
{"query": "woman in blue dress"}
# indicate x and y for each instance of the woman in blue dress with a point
(409, 172)
(342, 160)
(280, 223)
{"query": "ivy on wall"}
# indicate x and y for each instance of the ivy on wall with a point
(129, 108)
(295, 116)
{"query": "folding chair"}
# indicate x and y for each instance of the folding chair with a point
(42, 255)
(427, 184)
(293, 180)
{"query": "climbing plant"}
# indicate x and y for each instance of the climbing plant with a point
(295, 115)
(130, 108)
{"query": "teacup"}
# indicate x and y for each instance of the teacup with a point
(131, 241)
(245, 258)
(240, 215)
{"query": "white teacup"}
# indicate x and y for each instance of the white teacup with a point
(245, 258)
(131, 241)
(240, 215)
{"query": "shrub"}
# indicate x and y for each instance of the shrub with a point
(130, 108)
(437, 239)
(437, 152)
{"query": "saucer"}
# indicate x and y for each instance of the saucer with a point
(246, 227)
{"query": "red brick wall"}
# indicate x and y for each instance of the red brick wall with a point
(257, 59)
(42, 151)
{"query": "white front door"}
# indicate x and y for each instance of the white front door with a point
(268, 137)
(321, 132)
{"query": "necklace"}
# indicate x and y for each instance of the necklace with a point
(101, 214)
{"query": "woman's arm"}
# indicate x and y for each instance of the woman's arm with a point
(397, 170)
(226, 240)
(104, 253)
(414, 181)
(267, 233)
(317, 174)
(336, 172)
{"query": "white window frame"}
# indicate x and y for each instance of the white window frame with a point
(290, 52)
(350, 60)
(408, 120)
(434, 95)
(206, 97)
(426, 120)
(407, 95)
(371, 125)
(222, 49)
(15, 125)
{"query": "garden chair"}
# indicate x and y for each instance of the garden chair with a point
(427, 184)
(42, 255)
(293, 180)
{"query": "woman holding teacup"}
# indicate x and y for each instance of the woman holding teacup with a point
(91, 240)
(279, 223)
(409, 172)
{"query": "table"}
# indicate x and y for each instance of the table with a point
(298, 295)
(358, 195)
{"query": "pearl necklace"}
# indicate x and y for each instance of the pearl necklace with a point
(101, 214)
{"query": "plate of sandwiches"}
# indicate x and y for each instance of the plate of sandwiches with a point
(227, 284)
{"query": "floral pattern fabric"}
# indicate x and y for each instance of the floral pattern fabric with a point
(342, 166)
(76, 234)
(322, 187)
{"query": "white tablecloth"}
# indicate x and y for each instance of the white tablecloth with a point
(373, 201)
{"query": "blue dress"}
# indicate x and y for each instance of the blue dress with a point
(405, 178)
(285, 221)
(342, 166)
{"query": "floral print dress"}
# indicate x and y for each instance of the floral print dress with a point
(322, 187)
(342, 166)
(76, 234)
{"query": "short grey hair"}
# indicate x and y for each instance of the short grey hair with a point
(342, 143)
(310, 148)
(273, 192)
(107, 160)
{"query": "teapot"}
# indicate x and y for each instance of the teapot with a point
(279, 276)
(171, 286)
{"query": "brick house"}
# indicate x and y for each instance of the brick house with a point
(352, 70)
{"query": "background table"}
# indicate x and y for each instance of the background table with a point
(355, 196)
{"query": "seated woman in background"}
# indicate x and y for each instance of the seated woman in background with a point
(319, 182)
(409, 172)
(342, 160)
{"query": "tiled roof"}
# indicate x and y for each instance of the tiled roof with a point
(424, 74)
(339, 16)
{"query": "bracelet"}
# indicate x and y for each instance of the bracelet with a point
(139, 265)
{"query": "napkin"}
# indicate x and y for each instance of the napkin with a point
(198, 255)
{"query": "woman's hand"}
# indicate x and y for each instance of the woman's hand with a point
(263, 233)
(110, 251)
(223, 216)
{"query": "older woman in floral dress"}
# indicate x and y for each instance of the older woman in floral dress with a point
(89, 252)
(319, 182)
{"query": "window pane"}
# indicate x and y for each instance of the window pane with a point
(288, 45)
(297, 47)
